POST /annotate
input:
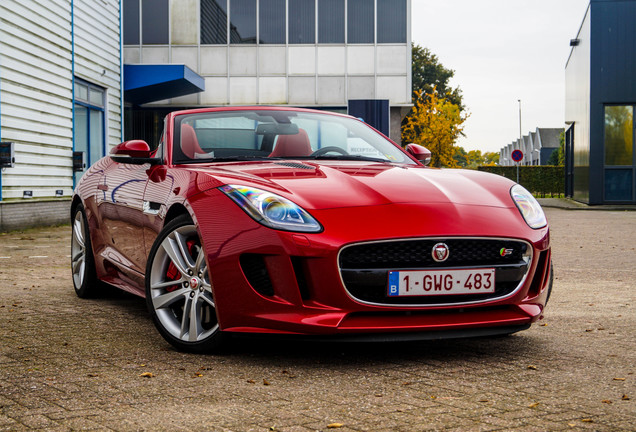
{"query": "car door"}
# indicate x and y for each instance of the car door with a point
(120, 204)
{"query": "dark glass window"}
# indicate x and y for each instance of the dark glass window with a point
(302, 21)
(214, 22)
(391, 21)
(618, 184)
(131, 22)
(243, 21)
(271, 18)
(154, 22)
(331, 21)
(360, 21)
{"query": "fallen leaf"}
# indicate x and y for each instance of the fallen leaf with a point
(197, 375)
(483, 400)
(143, 365)
(378, 395)
(619, 379)
(265, 382)
(532, 367)
(533, 405)
(589, 330)
(606, 401)
(92, 375)
(625, 397)
(251, 381)
(335, 425)
(147, 375)
(587, 420)
(544, 325)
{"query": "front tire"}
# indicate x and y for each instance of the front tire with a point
(82, 261)
(178, 289)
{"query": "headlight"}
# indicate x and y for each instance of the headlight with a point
(272, 210)
(529, 208)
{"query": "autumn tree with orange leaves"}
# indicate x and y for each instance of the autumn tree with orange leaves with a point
(435, 123)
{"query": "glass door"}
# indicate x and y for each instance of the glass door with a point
(89, 134)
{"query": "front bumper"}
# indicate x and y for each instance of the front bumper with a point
(268, 281)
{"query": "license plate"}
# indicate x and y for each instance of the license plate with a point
(441, 282)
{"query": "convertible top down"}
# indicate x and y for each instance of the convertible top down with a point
(310, 223)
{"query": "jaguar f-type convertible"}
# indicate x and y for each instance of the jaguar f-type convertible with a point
(285, 221)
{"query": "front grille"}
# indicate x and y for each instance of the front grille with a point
(364, 267)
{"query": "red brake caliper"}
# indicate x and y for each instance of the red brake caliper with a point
(173, 273)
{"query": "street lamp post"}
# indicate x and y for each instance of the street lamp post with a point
(520, 136)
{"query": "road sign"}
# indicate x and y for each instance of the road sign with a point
(517, 155)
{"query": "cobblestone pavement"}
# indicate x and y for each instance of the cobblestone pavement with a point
(72, 364)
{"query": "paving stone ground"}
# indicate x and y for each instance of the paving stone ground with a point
(73, 364)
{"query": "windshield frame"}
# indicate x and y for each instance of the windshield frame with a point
(285, 120)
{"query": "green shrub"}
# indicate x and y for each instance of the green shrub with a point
(542, 180)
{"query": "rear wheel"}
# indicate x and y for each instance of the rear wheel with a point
(178, 289)
(82, 262)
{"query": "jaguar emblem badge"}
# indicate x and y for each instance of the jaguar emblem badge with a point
(440, 252)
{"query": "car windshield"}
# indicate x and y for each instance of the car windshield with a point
(265, 134)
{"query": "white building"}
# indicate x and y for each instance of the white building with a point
(79, 76)
(309, 53)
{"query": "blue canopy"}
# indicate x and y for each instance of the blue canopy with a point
(145, 83)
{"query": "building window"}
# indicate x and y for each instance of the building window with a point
(154, 22)
(131, 22)
(619, 153)
(619, 135)
(88, 122)
(360, 21)
(271, 22)
(213, 22)
(243, 21)
(331, 21)
(391, 21)
(302, 22)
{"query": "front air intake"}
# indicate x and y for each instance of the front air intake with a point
(255, 271)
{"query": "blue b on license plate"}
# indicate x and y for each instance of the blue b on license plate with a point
(441, 282)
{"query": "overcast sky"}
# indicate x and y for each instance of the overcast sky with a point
(502, 51)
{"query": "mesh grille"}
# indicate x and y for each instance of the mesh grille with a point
(418, 254)
(295, 165)
(364, 268)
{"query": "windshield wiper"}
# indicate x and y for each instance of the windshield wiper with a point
(233, 159)
(351, 157)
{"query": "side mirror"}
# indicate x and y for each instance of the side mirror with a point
(135, 152)
(419, 152)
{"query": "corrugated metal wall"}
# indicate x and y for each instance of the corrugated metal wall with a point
(35, 64)
(97, 55)
(36, 73)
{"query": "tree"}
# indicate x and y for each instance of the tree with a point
(460, 156)
(557, 157)
(436, 123)
(429, 73)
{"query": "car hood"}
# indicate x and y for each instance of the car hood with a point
(336, 184)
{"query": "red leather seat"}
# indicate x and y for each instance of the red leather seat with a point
(292, 145)
(189, 142)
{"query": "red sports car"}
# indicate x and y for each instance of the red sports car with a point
(307, 223)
